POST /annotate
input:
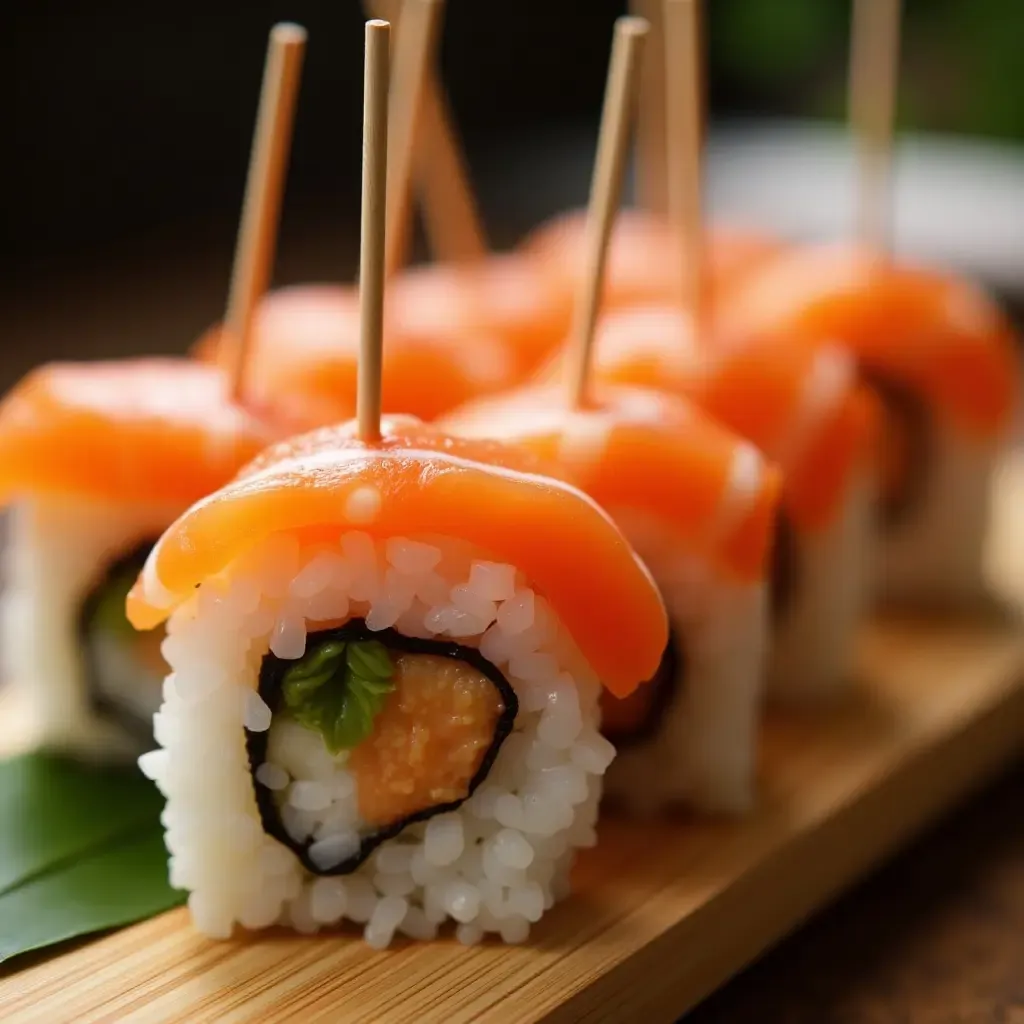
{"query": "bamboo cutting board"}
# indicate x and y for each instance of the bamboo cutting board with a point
(664, 912)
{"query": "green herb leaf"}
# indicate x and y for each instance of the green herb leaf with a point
(369, 660)
(109, 614)
(338, 690)
(111, 886)
(53, 810)
(81, 850)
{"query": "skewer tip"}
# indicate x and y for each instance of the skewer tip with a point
(632, 25)
(287, 33)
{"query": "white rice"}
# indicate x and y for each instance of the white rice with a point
(494, 865)
(704, 751)
(812, 645)
(57, 550)
(936, 556)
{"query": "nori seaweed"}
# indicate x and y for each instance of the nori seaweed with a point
(130, 563)
(668, 681)
(784, 580)
(905, 406)
(272, 671)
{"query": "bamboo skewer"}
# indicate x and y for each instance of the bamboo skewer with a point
(415, 49)
(684, 103)
(874, 63)
(652, 119)
(261, 210)
(605, 194)
(452, 219)
(454, 226)
(372, 242)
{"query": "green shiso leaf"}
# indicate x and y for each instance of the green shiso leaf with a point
(338, 689)
(109, 614)
(111, 886)
(53, 809)
(81, 850)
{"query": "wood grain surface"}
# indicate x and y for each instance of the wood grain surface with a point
(664, 912)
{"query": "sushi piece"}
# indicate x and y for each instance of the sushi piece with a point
(644, 258)
(502, 295)
(304, 351)
(386, 660)
(940, 355)
(95, 461)
(698, 505)
(804, 409)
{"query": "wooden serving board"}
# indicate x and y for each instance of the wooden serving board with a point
(664, 912)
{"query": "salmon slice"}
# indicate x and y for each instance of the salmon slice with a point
(648, 452)
(451, 333)
(134, 430)
(505, 296)
(305, 354)
(781, 396)
(418, 480)
(644, 258)
(939, 334)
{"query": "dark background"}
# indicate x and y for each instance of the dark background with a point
(130, 121)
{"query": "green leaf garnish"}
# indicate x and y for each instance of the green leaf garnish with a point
(81, 850)
(109, 614)
(338, 689)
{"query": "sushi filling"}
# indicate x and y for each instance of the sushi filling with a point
(635, 719)
(124, 669)
(906, 452)
(379, 730)
(785, 566)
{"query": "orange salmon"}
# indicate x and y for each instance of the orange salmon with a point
(802, 407)
(939, 334)
(644, 258)
(134, 430)
(650, 452)
(420, 480)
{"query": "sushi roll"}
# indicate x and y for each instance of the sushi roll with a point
(386, 661)
(805, 410)
(304, 352)
(698, 504)
(940, 356)
(644, 258)
(95, 461)
(502, 295)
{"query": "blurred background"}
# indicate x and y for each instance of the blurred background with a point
(129, 127)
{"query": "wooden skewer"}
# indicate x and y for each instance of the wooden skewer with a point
(415, 49)
(372, 229)
(684, 104)
(652, 120)
(261, 210)
(874, 63)
(454, 226)
(605, 193)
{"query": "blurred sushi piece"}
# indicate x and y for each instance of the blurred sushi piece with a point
(645, 258)
(95, 461)
(940, 355)
(698, 504)
(805, 410)
(440, 349)
(387, 659)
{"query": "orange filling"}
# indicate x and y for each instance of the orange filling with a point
(429, 740)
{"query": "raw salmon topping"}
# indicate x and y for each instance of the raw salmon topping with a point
(429, 740)
(419, 481)
(154, 430)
